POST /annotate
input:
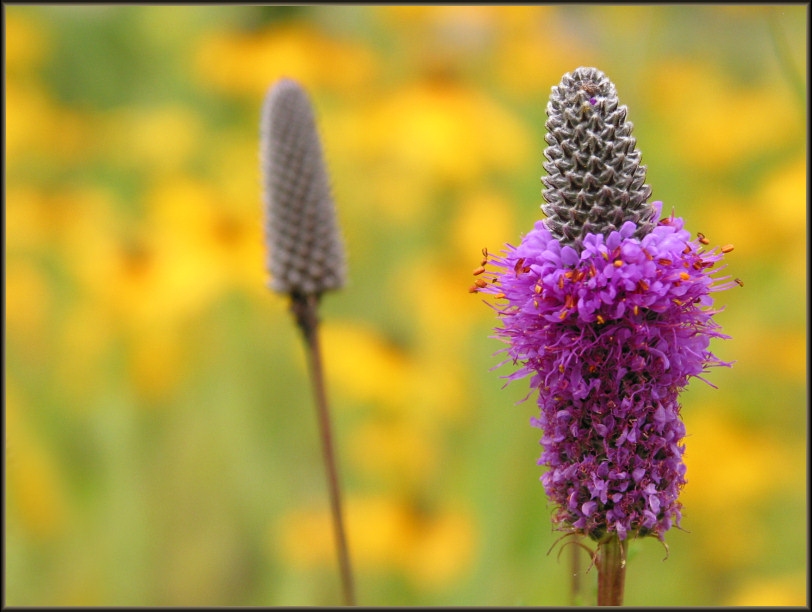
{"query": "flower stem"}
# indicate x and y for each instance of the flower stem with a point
(304, 307)
(611, 564)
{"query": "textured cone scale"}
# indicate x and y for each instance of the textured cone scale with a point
(305, 250)
(594, 182)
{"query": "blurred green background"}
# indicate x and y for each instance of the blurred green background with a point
(161, 443)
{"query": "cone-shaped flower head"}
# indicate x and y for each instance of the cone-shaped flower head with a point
(610, 315)
(305, 250)
(594, 182)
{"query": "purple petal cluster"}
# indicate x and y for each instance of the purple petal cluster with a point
(609, 335)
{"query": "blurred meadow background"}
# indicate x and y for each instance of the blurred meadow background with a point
(161, 442)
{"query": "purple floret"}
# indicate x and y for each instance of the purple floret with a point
(609, 336)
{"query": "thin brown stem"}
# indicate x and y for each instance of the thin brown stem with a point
(304, 308)
(611, 564)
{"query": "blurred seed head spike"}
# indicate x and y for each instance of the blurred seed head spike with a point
(305, 248)
(594, 182)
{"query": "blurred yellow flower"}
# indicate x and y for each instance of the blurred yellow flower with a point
(37, 127)
(26, 43)
(787, 590)
(485, 219)
(247, 64)
(715, 122)
(167, 265)
(28, 298)
(445, 131)
(157, 361)
(442, 315)
(238, 230)
(443, 548)
(729, 466)
(384, 535)
(80, 351)
(382, 381)
(161, 141)
(530, 55)
(34, 485)
(779, 354)
(24, 220)
(779, 202)
(393, 450)
(30, 121)
(441, 39)
(782, 199)
(388, 189)
(377, 532)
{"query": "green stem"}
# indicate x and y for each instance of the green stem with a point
(304, 308)
(611, 564)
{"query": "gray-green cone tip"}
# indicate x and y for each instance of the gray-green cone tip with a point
(595, 181)
(305, 249)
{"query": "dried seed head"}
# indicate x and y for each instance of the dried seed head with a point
(305, 249)
(594, 182)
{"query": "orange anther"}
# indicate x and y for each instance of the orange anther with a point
(727, 248)
(479, 270)
(518, 267)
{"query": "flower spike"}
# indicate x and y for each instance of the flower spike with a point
(595, 182)
(608, 309)
(305, 249)
(305, 254)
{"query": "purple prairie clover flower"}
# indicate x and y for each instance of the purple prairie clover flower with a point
(609, 336)
(609, 326)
